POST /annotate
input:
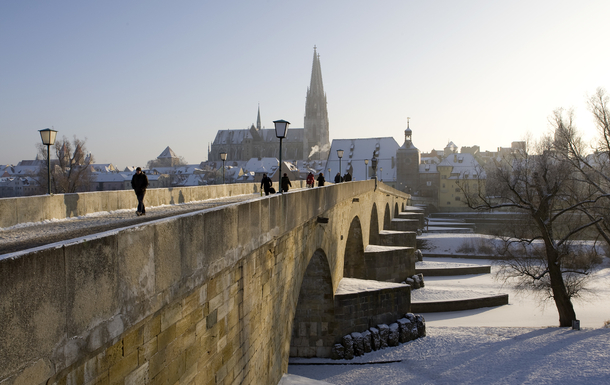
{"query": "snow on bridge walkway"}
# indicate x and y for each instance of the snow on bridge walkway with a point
(29, 235)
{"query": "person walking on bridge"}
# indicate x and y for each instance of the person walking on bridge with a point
(321, 180)
(310, 180)
(266, 184)
(139, 183)
(285, 183)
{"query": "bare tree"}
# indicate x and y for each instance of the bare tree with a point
(70, 171)
(592, 163)
(539, 182)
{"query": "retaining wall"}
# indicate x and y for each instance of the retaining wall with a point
(356, 312)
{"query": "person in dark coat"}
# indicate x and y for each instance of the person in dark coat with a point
(321, 180)
(347, 177)
(338, 178)
(139, 183)
(285, 182)
(266, 184)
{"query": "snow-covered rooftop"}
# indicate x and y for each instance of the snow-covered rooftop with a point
(355, 151)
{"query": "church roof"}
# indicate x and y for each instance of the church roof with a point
(408, 146)
(266, 135)
(355, 151)
(167, 153)
(451, 146)
(262, 165)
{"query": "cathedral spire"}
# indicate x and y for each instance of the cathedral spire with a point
(316, 141)
(316, 87)
(258, 118)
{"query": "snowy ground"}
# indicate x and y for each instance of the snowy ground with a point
(511, 344)
(472, 355)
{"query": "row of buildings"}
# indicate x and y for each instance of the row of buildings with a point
(254, 151)
(430, 176)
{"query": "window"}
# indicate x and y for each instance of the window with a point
(457, 189)
(448, 202)
(429, 183)
(457, 198)
(443, 176)
(443, 185)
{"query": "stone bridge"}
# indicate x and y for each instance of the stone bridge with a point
(219, 296)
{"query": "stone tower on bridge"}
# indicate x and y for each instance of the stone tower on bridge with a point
(408, 158)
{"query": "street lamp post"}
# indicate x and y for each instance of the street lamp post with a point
(281, 126)
(374, 165)
(340, 155)
(366, 168)
(223, 157)
(48, 139)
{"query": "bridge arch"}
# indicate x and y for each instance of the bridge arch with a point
(396, 210)
(374, 227)
(353, 259)
(314, 318)
(387, 217)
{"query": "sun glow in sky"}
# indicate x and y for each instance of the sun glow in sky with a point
(136, 76)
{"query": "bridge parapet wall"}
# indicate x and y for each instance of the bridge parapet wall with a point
(205, 296)
(38, 208)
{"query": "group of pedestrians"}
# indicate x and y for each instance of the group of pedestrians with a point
(311, 180)
(345, 178)
(267, 183)
(139, 183)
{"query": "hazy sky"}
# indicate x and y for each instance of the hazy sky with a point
(136, 76)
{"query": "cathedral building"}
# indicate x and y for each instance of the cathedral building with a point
(308, 143)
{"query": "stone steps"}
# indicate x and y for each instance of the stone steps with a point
(412, 215)
(460, 304)
(445, 272)
(450, 230)
(457, 304)
(400, 224)
(398, 238)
